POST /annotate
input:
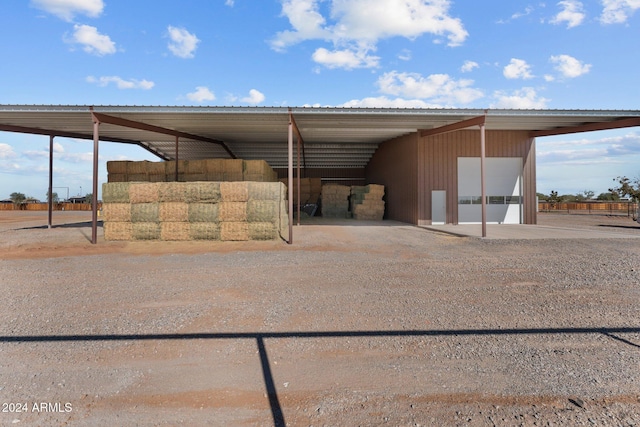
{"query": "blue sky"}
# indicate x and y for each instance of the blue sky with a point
(373, 53)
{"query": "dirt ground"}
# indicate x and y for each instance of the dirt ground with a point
(356, 323)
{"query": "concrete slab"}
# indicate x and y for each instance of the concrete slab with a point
(523, 231)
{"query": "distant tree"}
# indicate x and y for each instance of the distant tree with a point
(542, 197)
(627, 187)
(588, 194)
(608, 197)
(88, 198)
(54, 197)
(554, 198)
(17, 198)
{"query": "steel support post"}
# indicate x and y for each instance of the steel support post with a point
(298, 177)
(50, 197)
(94, 202)
(290, 180)
(482, 181)
(177, 158)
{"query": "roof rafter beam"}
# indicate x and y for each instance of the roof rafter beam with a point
(63, 134)
(476, 121)
(118, 121)
(588, 127)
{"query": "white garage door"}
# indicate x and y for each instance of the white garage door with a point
(503, 177)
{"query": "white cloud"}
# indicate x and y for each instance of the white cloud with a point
(384, 102)
(183, 44)
(67, 9)
(525, 98)
(346, 59)
(229, 3)
(440, 88)
(357, 26)
(255, 97)
(528, 10)
(202, 94)
(121, 83)
(93, 42)
(588, 150)
(58, 148)
(405, 55)
(468, 66)
(572, 13)
(618, 11)
(517, 69)
(6, 152)
(569, 66)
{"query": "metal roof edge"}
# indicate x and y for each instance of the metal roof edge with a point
(314, 110)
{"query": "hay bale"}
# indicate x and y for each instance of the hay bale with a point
(202, 192)
(263, 211)
(145, 212)
(234, 231)
(203, 212)
(255, 177)
(264, 190)
(117, 166)
(146, 231)
(193, 167)
(137, 167)
(115, 192)
(117, 177)
(214, 165)
(204, 230)
(233, 176)
(194, 177)
(174, 230)
(156, 168)
(258, 171)
(174, 212)
(138, 177)
(140, 192)
(232, 211)
(116, 212)
(234, 191)
(375, 189)
(171, 192)
(215, 176)
(170, 168)
(118, 231)
(263, 231)
(233, 165)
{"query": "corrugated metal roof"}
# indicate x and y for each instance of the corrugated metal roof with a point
(333, 137)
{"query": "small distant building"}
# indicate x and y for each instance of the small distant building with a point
(77, 200)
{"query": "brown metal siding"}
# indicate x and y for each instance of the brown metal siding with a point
(395, 165)
(438, 157)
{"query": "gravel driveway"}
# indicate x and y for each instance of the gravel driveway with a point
(356, 324)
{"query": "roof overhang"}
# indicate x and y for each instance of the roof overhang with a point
(333, 137)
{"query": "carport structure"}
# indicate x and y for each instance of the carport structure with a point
(422, 156)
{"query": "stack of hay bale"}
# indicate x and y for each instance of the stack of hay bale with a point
(310, 189)
(194, 211)
(216, 170)
(258, 171)
(367, 203)
(335, 201)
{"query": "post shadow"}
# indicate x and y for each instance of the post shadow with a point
(274, 403)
